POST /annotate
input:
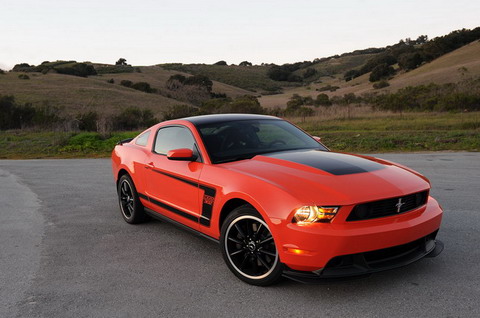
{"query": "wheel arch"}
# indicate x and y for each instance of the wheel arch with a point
(228, 207)
(122, 172)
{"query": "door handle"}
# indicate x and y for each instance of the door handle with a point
(149, 165)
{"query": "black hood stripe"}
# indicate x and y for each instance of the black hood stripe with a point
(331, 162)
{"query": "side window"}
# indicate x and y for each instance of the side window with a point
(175, 137)
(143, 139)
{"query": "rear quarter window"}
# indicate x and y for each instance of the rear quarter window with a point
(142, 140)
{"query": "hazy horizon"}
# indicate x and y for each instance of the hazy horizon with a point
(150, 32)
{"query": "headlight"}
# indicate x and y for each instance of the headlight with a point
(311, 214)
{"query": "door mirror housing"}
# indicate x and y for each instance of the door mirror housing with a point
(182, 154)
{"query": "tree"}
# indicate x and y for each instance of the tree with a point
(245, 63)
(309, 72)
(350, 75)
(410, 61)
(422, 39)
(322, 100)
(295, 102)
(220, 63)
(199, 80)
(179, 111)
(278, 73)
(121, 61)
(381, 71)
(175, 82)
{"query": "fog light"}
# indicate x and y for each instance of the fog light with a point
(311, 214)
(297, 251)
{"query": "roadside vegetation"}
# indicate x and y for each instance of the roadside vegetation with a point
(365, 132)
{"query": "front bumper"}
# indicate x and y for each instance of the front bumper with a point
(319, 245)
(366, 263)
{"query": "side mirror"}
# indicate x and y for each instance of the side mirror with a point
(182, 154)
(318, 139)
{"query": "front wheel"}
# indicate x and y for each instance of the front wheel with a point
(130, 205)
(249, 249)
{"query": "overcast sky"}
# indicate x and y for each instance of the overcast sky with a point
(147, 32)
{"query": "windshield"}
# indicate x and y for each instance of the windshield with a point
(244, 139)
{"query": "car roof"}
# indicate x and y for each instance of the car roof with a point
(210, 119)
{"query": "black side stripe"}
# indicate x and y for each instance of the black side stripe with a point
(207, 202)
(169, 207)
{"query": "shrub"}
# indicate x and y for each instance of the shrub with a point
(126, 83)
(220, 63)
(180, 111)
(241, 104)
(134, 118)
(115, 69)
(348, 76)
(76, 69)
(23, 67)
(2, 71)
(14, 116)
(199, 80)
(381, 84)
(278, 73)
(23, 76)
(309, 72)
(87, 121)
(294, 78)
(446, 97)
(46, 116)
(143, 87)
(175, 82)
(327, 88)
(111, 81)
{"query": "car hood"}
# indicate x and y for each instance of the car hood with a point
(329, 178)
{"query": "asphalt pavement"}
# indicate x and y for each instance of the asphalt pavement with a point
(66, 252)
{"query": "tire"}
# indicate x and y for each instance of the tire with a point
(130, 205)
(249, 249)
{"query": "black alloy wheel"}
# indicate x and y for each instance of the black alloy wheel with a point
(130, 205)
(249, 248)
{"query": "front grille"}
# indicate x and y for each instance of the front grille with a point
(387, 207)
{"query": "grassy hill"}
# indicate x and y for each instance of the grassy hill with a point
(74, 94)
(251, 78)
(336, 66)
(453, 67)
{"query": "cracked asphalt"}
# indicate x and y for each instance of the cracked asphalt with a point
(66, 252)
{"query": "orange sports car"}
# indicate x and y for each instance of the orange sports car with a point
(276, 199)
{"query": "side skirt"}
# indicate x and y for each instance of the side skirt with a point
(161, 217)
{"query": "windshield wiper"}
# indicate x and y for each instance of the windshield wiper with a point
(243, 157)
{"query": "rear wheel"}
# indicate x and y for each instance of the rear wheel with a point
(130, 205)
(249, 249)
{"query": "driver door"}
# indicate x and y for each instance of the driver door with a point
(172, 186)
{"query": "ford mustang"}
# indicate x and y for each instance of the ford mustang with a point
(277, 200)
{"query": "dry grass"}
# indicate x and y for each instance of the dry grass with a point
(76, 94)
(453, 67)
